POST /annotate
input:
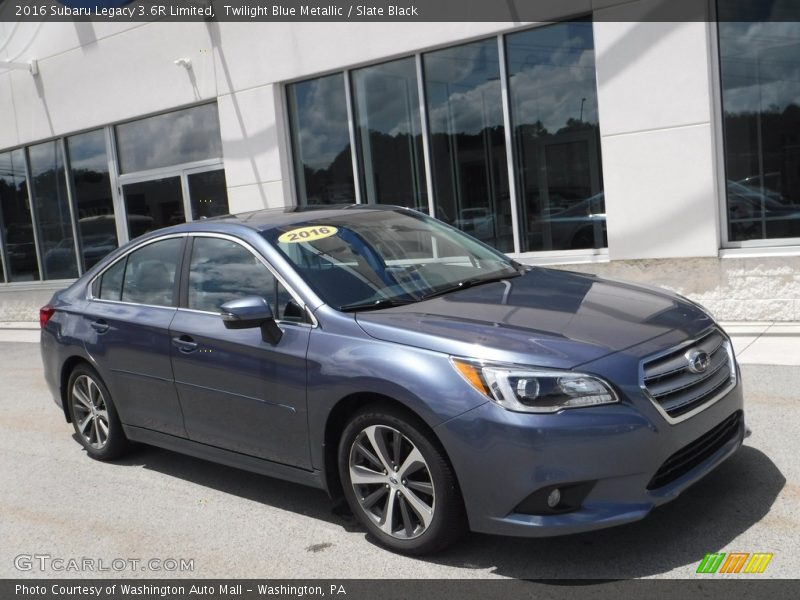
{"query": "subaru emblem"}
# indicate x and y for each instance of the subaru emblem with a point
(699, 361)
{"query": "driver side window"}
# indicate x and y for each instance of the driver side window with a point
(221, 270)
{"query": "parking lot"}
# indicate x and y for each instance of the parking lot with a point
(157, 504)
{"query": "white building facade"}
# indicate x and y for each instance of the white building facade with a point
(665, 153)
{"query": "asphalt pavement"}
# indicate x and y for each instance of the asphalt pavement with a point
(155, 504)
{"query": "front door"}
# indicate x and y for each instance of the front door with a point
(237, 391)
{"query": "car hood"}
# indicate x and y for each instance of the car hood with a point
(546, 317)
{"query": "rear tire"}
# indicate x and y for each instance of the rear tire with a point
(398, 482)
(94, 416)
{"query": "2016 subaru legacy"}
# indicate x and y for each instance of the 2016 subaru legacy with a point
(380, 354)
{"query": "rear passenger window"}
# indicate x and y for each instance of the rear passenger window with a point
(221, 270)
(111, 281)
(150, 274)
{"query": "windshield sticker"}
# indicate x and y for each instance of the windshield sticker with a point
(307, 234)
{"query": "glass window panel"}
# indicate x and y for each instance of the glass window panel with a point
(153, 204)
(150, 273)
(111, 281)
(170, 139)
(52, 211)
(379, 255)
(386, 99)
(15, 218)
(208, 194)
(221, 271)
(467, 141)
(760, 68)
(556, 133)
(88, 161)
(321, 141)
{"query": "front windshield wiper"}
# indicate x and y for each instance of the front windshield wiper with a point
(375, 304)
(468, 283)
(461, 285)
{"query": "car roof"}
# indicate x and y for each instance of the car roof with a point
(271, 218)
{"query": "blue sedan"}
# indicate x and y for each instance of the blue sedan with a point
(382, 355)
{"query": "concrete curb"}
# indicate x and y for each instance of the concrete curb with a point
(25, 325)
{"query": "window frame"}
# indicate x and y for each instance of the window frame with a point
(582, 255)
(183, 275)
(124, 256)
(182, 172)
(161, 113)
(310, 320)
(116, 181)
(60, 151)
(726, 246)
(6, 280)
(73, 191)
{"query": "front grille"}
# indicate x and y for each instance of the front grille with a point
(694, 454)
(676, 389)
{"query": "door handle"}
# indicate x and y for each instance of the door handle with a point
(184, 343)
(100, 325)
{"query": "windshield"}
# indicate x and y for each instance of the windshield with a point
(368, 259)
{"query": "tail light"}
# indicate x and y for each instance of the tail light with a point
(45, 313)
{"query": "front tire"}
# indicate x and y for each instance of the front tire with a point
(94, 415)
(398, 482)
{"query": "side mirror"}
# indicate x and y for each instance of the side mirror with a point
(251, 312)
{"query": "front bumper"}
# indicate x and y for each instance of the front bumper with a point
(502, 457)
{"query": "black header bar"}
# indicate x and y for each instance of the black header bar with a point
(508, 11)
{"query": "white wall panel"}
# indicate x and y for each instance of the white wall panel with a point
(660, 199)
(249, 136)
(43, 40)
(654, 99)
(8, 125)
(256, 196)
(120, 77)
(651, 75)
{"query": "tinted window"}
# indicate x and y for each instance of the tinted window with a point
(97, 229)
(174, 138)
(207, 194)
(467, 141)
(760, 66)
(111, 281)
(153, 204)
(386, 104)
(150, 274)
(369, 256)
(15, 214)
(52, 211)
(222, 270)
(321, 141)
(553, 97)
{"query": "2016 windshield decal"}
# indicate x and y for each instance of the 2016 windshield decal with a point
(307, 234)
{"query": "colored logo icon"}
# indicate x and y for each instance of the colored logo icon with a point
(734, 562)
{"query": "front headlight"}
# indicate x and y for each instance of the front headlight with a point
(534, 390)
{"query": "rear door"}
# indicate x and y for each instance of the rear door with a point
(237, 391)
(127, 333)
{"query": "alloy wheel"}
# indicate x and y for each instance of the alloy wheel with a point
(90, 412)
(392, 482)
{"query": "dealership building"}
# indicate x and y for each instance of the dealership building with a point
(666, 153)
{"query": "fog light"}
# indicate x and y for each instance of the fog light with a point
(554, 498)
